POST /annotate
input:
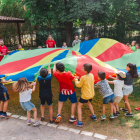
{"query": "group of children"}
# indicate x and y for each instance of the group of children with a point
(123, 87)
(134, 46)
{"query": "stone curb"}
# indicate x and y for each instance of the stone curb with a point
(76, 131)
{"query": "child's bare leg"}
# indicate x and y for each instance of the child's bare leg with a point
(124, 102)
(1, 106)
(79, 110)
(114, 107)
(103, 109)
(28, 115)
(42, 109)
(90, 107)
(35, 113)
(127, 103)
(51, 112)
(73, 107)
(111, 108)
(60, 105)
(117, 107)
(5, 105)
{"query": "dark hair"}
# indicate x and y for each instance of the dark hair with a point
(43, 73)
(101, 75)
(119, 77)
(60, 67)
(64, 42)
(133, 70)
(87, 67)
(86, 36)
(76, 35)
(138, 44)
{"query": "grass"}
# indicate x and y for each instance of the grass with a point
(122, 128)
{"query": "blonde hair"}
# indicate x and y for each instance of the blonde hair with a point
(21, 85)
(51, 36)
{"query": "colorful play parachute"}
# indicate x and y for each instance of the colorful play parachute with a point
(104, 55)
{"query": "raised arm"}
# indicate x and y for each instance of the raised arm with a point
(34, 85)
(4, 81)
(79, 83)
(54, 68)
(110, 82)
(49, 69)
(112, 77)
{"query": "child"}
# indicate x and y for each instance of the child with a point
(137, 46)
(127, 44)
(133, 45)
(4, 97)
(64, 45)
(3, 50)
(45, 92)
(66, 90)
(128, 87)
(20, 47)
(87, 89)
(22, 86)
(39, 47)
(118, 85)
(107, 94)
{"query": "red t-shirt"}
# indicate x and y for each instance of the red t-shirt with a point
(65, 82)
(3, 50)
(50, 43)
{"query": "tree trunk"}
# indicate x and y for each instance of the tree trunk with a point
(69, 26)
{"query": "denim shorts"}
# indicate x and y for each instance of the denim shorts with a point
(109, 99)
(27, 105)
(72, 97)
(127, 91)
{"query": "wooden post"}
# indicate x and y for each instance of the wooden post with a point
(19, 32)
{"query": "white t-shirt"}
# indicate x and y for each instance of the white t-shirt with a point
(118, 85)
(25, 96)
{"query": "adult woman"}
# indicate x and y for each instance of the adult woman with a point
(50, 42)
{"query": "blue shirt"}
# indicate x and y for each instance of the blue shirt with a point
(45, 86)
(2, 87)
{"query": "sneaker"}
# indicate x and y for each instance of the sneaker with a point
(125, 110)
(58, 118)
(73, 119)
(36, 123)
(80, 124)
(137, 109)
(128, 115)
(93, 117)
(28, 122)
(103, 117)
(42, 119)
(112, 116)
(5, 116)
(115, 115)
(118, 113)
(54, 118)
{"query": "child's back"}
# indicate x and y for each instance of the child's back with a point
(65, 82)
(104, 88)
(87, 86)
(45, 86)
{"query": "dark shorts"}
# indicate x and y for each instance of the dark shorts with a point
(109, 99)
(48, 100)
(4, 96)
(72, 97)
(84, 101)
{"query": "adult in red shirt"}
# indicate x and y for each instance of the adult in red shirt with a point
(50, 42)
(66, 90)
(3, 50)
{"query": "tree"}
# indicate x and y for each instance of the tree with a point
(58, 13)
